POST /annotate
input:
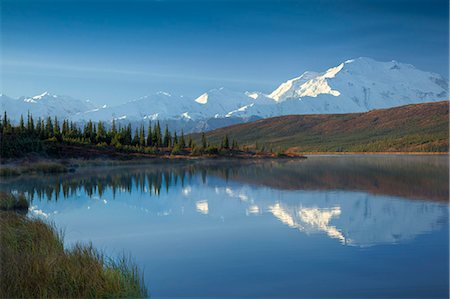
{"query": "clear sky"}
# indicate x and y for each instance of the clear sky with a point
(115, 51)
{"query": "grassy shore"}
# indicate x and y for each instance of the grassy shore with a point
(375, 153)
(35, 264)
(33, 164)
(9, 202)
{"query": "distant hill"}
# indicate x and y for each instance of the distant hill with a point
(410, 128)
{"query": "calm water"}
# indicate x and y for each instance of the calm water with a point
(324, 227)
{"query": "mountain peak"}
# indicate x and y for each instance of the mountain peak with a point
(42, 95)
(203, 99)
(363, 83)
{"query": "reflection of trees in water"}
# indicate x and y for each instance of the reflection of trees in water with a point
(412, 177)
(148, 180)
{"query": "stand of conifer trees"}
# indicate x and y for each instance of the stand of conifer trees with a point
(30, 137)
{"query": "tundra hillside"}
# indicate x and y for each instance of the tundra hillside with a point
(411, 128)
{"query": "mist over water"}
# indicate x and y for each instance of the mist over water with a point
(326, 226)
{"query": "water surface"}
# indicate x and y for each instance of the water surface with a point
(328, 227)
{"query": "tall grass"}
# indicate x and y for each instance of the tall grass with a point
(35, 264)
(13, 202)
(33, 167)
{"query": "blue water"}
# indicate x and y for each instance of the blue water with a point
(325, 227)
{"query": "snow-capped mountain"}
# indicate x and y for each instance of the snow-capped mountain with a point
(356, 85)
(44, 105)
(223, 102)
(215, 103)
(161, 105)
(360, 85)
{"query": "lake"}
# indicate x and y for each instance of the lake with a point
(324, 227)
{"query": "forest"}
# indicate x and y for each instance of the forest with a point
(40, 136)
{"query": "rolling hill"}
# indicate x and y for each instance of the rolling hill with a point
(410, 128)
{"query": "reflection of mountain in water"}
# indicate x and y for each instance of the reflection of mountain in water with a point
(361, 219)
(337, 197)
(309, 219)
(414, 177)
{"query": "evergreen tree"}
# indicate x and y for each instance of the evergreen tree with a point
(48, 128)
(166, 137)
(157, 138)
(226, 143)
(39, 128)
(65, 129)
(141, 136)
(149, 135)
(182, 141)
(113, 127)
(175, 139)
(127, 135)
(204, 142)
(135, 137)
(101, 133)
(21, 125)
(30, 123)
(5, 120)
(56, 128)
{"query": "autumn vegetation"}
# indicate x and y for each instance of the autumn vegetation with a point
(35, 264)
(412, 128)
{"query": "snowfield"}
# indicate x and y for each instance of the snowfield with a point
(356, 85)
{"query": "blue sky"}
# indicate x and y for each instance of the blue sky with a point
(115, 51)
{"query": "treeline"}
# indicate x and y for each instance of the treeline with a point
(32, 135)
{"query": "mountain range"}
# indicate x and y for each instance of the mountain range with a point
(356, 85)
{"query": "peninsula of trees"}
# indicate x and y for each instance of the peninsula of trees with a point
(52, 137)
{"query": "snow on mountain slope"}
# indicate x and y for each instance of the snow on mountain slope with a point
(356, 85)
(288, 89)
(44, 105)
(161, 105)
(223, 102)
(360, 85)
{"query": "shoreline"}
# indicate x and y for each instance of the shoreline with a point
(48, 165)
(37, 165)
(374, 153)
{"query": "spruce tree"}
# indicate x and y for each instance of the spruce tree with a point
(56, 128)
(5, 120)
(21, 125)
(204, 142)
(30, 123)
(135, 137)
(149, 135)
(101, 133)
(48, 128)
(157, 138)
(166, 137)
(182, 141)
(127, 135)
(226, 142)
(141, 136)
(175, 138)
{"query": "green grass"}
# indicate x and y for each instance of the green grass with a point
(9, 202)
(35, 264)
